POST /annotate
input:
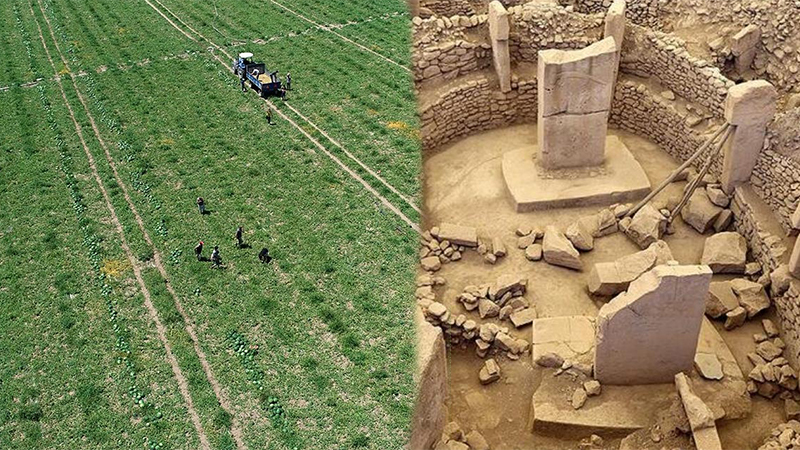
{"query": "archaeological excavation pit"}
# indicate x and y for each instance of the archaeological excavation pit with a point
(608, 258)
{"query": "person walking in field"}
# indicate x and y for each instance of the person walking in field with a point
(201, 205)
(269, 116)
(216, 260)
(239, 242)
(288, 81)
(263, 256)
(198, 251)
(244, 89)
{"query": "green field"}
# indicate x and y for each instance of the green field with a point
(98, 222)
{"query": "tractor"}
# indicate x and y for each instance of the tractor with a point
(261, 80)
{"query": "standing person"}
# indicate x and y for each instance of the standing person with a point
(198, 251)
(263, 255)
(201, 205)
(269, 115)
(216, 260)
(288, 81)
(239, 242)
(244, 89)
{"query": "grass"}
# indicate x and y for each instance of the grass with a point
(314, 350)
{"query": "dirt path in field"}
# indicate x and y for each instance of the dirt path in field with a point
(161, 330)
(346, 39)
(316, 143)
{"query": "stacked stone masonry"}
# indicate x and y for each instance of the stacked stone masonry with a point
(651, 53)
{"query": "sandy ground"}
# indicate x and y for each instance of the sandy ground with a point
(463, 184)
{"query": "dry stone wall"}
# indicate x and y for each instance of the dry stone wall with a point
(446, 47)
(652, 53)
(476, 106)
(642, 12)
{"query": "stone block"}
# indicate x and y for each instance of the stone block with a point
(611, 278)
(649, 333)
(751, 103)
(458, 234)
(725, 252)
(498, 18)
(559, 251)
(615, 22)
(430, 413)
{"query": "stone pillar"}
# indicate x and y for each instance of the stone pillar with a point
(649, 333)
(575, 92)
(499, 24)
(743, 47)
(749, 107)
(430, 413)
(794, 261)
(615, 22)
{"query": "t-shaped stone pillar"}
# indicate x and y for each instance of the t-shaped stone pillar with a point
(499, 25)
(649, 333)
(575, 92)
(749, 107)
(615, 22)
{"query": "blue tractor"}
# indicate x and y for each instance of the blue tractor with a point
(261, 80)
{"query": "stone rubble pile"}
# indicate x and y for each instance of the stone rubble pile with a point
(772, 375)
(707, 208)
(785, 436)
(437, 248)
(454, 438)
(736, 301)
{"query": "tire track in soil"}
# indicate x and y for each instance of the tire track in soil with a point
(183, 385)
(342, 37)
(236, 431)
(316, 143)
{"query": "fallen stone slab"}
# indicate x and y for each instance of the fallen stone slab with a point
(508, 283)
(646, 226)
(458, 234)
(725, 252)
(611, 278)
(559, 251)
(699, 212)
(701, 418)
(523, 317)
(720, 299)
(650, 333)
(752, 296)
(735, 318)
(476, 441)
(568, 337)
(619, 411)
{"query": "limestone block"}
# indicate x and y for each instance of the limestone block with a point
(752, 296)
(577, 81)
(649, 333)
(498, 21)
(699, 212)
(725, 252)
(559, 251)
(720, 299)
(743, 47)
(646, 226)
(611, 278)
(457, 234)
(572, 140)
(498, 31)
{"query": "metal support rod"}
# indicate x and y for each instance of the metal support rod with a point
(675, 173)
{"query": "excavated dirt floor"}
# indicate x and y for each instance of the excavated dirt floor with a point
(464, 185)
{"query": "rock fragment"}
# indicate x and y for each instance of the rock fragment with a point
(559, 251)
(490, 372)
(725, 252)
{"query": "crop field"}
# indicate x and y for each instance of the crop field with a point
(119, 115)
